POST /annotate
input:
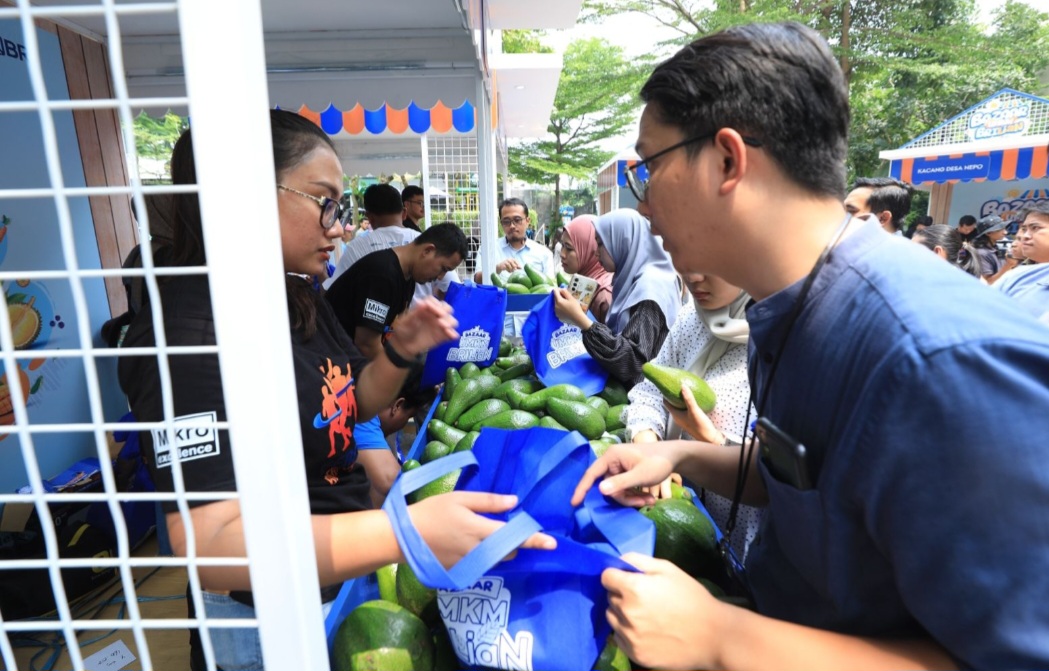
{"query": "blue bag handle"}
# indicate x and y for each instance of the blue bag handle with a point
(560, 451)
(551, 459)
(478, 561)
(628, 533)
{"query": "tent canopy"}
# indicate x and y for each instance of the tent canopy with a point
(1004, 137)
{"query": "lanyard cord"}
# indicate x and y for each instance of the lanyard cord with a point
(746, 449)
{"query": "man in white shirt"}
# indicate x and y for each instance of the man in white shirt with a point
(383, 208)
(515, 248)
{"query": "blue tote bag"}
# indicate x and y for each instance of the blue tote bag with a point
(480, 310)
(557, 351)
(544, 609)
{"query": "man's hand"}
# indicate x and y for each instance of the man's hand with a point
(662, 618)
(507, 265)
(451, 526)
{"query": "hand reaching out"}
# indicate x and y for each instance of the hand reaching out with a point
(425, 326)
(451, 526)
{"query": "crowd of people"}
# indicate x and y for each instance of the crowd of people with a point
(913, 539)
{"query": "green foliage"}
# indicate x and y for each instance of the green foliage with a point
(524, 42)
(155, 138)
(596, 100)
(910, 64)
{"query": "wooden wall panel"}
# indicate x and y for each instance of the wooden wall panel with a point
(101, 150)
(940, 203)
(112, 141)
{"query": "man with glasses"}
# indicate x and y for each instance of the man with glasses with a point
(515, 248)
(1029, 282)
(414, 207)
(894, 536)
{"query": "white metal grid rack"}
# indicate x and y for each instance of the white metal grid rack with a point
(452, 163)
(254, 350)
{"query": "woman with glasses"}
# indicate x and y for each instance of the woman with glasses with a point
(335, 386)
(646, 296)
(1029, 282)
(579, 255)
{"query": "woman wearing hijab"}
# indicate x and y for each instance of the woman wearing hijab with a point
(579, 255)
(646, 297)
(709, 339)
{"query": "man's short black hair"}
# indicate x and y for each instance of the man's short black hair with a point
(510, 202)
(448, 239)
(382, 199)
(776, 82)
(411, 191)
(967, 220)
(887, 194)
(414, 394)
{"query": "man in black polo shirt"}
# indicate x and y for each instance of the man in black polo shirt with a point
(367, 297)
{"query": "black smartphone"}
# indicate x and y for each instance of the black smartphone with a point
(784, 457)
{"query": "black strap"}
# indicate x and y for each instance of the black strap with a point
(746, 449)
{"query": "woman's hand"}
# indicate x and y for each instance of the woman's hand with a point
(425, 326)
(630, 470)
(568, 309)
(694, 421)
(451, 526)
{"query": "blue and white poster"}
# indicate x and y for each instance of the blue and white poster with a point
(43, 316)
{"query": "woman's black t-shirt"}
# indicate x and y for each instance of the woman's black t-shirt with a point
(326, 367)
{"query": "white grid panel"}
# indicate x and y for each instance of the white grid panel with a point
(1033, 110)
(453, 167)
(274, 506)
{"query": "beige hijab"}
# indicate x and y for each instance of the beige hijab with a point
(729, 327)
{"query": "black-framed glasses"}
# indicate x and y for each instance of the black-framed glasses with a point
(513, 221)
(639, 187)
(331, 210)
(417, 203)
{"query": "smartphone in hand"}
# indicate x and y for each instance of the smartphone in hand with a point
(583, 289)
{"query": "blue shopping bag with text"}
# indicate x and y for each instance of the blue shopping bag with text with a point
(480, 310)
(543, 609)
(557, 351)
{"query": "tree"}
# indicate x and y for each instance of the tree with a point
(524, 42)
(155, 138)
(596, 100)
(909, 64)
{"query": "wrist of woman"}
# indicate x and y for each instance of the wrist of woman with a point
(397, 351)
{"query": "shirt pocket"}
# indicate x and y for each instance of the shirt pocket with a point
(796, 522)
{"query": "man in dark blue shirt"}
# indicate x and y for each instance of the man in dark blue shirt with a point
(911, 535)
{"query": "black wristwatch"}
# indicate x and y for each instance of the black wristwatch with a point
(398, 360)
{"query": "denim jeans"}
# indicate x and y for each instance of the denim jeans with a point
(236, 649)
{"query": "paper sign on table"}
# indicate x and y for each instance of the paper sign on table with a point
(113, 657)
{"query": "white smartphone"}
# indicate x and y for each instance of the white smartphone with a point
(583, 288)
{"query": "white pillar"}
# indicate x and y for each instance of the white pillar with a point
(255, 353)
(486, 193)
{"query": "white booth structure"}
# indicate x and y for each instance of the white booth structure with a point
(989, 159)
